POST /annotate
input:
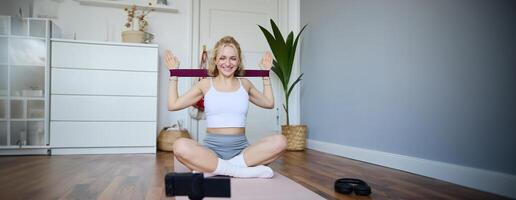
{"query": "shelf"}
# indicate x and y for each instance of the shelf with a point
(103, 43)
(25, 81)
(15, 65)
(22, 37)
(125, 4)
(28, 120)
(24, 147)
(26, 98)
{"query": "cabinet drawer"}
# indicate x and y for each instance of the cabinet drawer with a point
(102, 134)
(102, 108)
(99, 82)
(103, 56)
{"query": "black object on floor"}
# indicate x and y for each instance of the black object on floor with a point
(348, 185)
(195, 186)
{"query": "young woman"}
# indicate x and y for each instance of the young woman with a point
(225, 150)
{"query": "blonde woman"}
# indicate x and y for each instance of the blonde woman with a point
(225, 150)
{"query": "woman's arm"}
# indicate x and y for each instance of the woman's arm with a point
(263, 99)
(175, 102)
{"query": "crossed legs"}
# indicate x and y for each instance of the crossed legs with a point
(195, 156)
(265, 151)
(199, 158)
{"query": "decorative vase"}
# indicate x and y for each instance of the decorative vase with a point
(133, 36)
(296, 137)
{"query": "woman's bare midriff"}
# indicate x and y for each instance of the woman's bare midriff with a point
(227, 131)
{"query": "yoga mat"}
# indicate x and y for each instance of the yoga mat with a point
(278, 187)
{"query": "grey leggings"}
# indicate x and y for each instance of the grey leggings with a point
(226, 146)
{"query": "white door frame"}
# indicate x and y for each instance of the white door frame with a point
(292, 23)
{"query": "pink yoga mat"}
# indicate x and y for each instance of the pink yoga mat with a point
(278, 187)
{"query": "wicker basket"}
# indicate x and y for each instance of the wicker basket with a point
(167, 137)
(296, 137)
(133, 36)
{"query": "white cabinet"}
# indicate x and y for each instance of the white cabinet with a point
(103, 97)
(24, 84)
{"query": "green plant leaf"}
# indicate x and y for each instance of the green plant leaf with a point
(289, 49)
(278, 73)
(277, 33)
(294, 84)
(290, 39)
(271, 40)
(293, 53)
(283, 54)
(275, 48)
(277, 69)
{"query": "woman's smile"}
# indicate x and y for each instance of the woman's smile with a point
(228, 61)
(227, 68)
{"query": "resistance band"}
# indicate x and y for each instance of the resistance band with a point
(204, 73)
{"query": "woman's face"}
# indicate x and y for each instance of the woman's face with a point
(228, 61)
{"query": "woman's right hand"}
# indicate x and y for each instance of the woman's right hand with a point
(170, 60)
(266, 62)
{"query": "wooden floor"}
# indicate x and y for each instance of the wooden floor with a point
(318, 171)
(140, 176)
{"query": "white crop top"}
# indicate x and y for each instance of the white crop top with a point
(226, 109)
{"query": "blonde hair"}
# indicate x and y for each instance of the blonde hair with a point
(224, 42)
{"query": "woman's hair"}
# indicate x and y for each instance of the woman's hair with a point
(224, 42)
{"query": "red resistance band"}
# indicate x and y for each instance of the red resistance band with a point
(204, 73)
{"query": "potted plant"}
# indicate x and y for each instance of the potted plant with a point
(137, 36)
(284, 52)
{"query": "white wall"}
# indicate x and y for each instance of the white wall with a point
(431, 82)
(171, 31)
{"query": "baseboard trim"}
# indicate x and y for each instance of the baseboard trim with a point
(480, 179)
(7, 152)
(102, 150)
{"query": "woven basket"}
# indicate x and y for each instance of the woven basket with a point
(296, 137)
(167, 138)
(133, 36)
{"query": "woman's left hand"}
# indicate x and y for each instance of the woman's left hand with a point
(266, 62)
